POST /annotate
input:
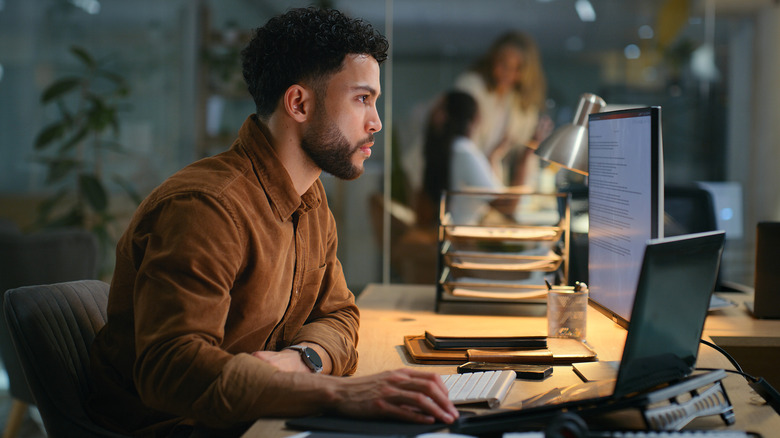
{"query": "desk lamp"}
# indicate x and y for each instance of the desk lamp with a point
(568, 145)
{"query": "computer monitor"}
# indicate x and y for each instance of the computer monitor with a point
(625, 203)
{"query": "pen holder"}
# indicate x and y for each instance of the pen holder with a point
(567, 311)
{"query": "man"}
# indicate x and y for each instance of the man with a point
(228, 302)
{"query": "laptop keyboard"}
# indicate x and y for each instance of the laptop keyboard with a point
(488, 387)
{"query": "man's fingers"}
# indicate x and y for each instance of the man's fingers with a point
(432, 386)
(423, 397)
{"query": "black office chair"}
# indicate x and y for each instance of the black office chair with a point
(688, 209)
(691, 209)
(44, 257)
(52, 327)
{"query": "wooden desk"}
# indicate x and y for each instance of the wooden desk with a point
(754, 343)
(388, 312)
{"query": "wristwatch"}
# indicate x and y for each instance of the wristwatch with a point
(309, 357)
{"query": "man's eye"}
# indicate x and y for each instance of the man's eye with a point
(364, 98)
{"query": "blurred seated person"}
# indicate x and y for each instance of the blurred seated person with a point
(452, 160)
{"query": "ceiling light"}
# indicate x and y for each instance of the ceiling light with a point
(585, 10)
(91, 7)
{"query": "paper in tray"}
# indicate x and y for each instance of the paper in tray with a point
(503, 233)
(497, 293)
(503, 262)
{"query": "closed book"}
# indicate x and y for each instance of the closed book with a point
(485, 342)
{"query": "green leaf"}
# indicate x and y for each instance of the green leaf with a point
(78, 137)
(60, 87)
(59, 169)
(50, 133)
(100, 116)
(84, 56)
(93, 191)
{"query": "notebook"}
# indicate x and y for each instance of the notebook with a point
(677, 278)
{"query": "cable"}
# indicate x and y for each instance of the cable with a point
(729, 357)
(761, 386)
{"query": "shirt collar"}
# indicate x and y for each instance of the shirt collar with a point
(271, 173)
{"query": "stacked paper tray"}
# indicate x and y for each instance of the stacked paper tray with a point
(475, 261)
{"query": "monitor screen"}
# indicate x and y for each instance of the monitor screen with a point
(625, 203)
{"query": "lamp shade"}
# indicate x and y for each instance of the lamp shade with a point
(568, 145)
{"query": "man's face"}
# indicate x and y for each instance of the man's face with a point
(339, 137)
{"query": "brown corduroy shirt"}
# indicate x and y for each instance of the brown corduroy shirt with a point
(223, 259)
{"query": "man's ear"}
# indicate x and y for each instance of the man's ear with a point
(298, 102)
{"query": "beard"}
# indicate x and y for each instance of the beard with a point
(326, 146)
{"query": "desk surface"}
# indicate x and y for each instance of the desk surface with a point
(388, 312)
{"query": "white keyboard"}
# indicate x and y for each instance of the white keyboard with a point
(488, 387)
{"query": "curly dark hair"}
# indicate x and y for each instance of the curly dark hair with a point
(304, 45)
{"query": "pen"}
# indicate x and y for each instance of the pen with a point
(549, 286)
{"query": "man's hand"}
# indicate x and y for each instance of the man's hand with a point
(404, 394)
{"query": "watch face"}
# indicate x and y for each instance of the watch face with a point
(314, 358)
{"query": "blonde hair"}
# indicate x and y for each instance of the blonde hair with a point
(532, 87)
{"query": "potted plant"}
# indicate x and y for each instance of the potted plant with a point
(73, 147)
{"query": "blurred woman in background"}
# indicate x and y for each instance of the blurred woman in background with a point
(510, 89)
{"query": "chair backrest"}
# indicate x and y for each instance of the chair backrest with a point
(44, 257)
(52, 328)
(689, 209)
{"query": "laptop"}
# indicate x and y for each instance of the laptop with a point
(678, 276)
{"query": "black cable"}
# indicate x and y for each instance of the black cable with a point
(759, 385)
(730, 359)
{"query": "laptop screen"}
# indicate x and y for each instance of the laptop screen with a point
(677, 278)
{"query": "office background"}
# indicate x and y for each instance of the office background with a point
(711, 64)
